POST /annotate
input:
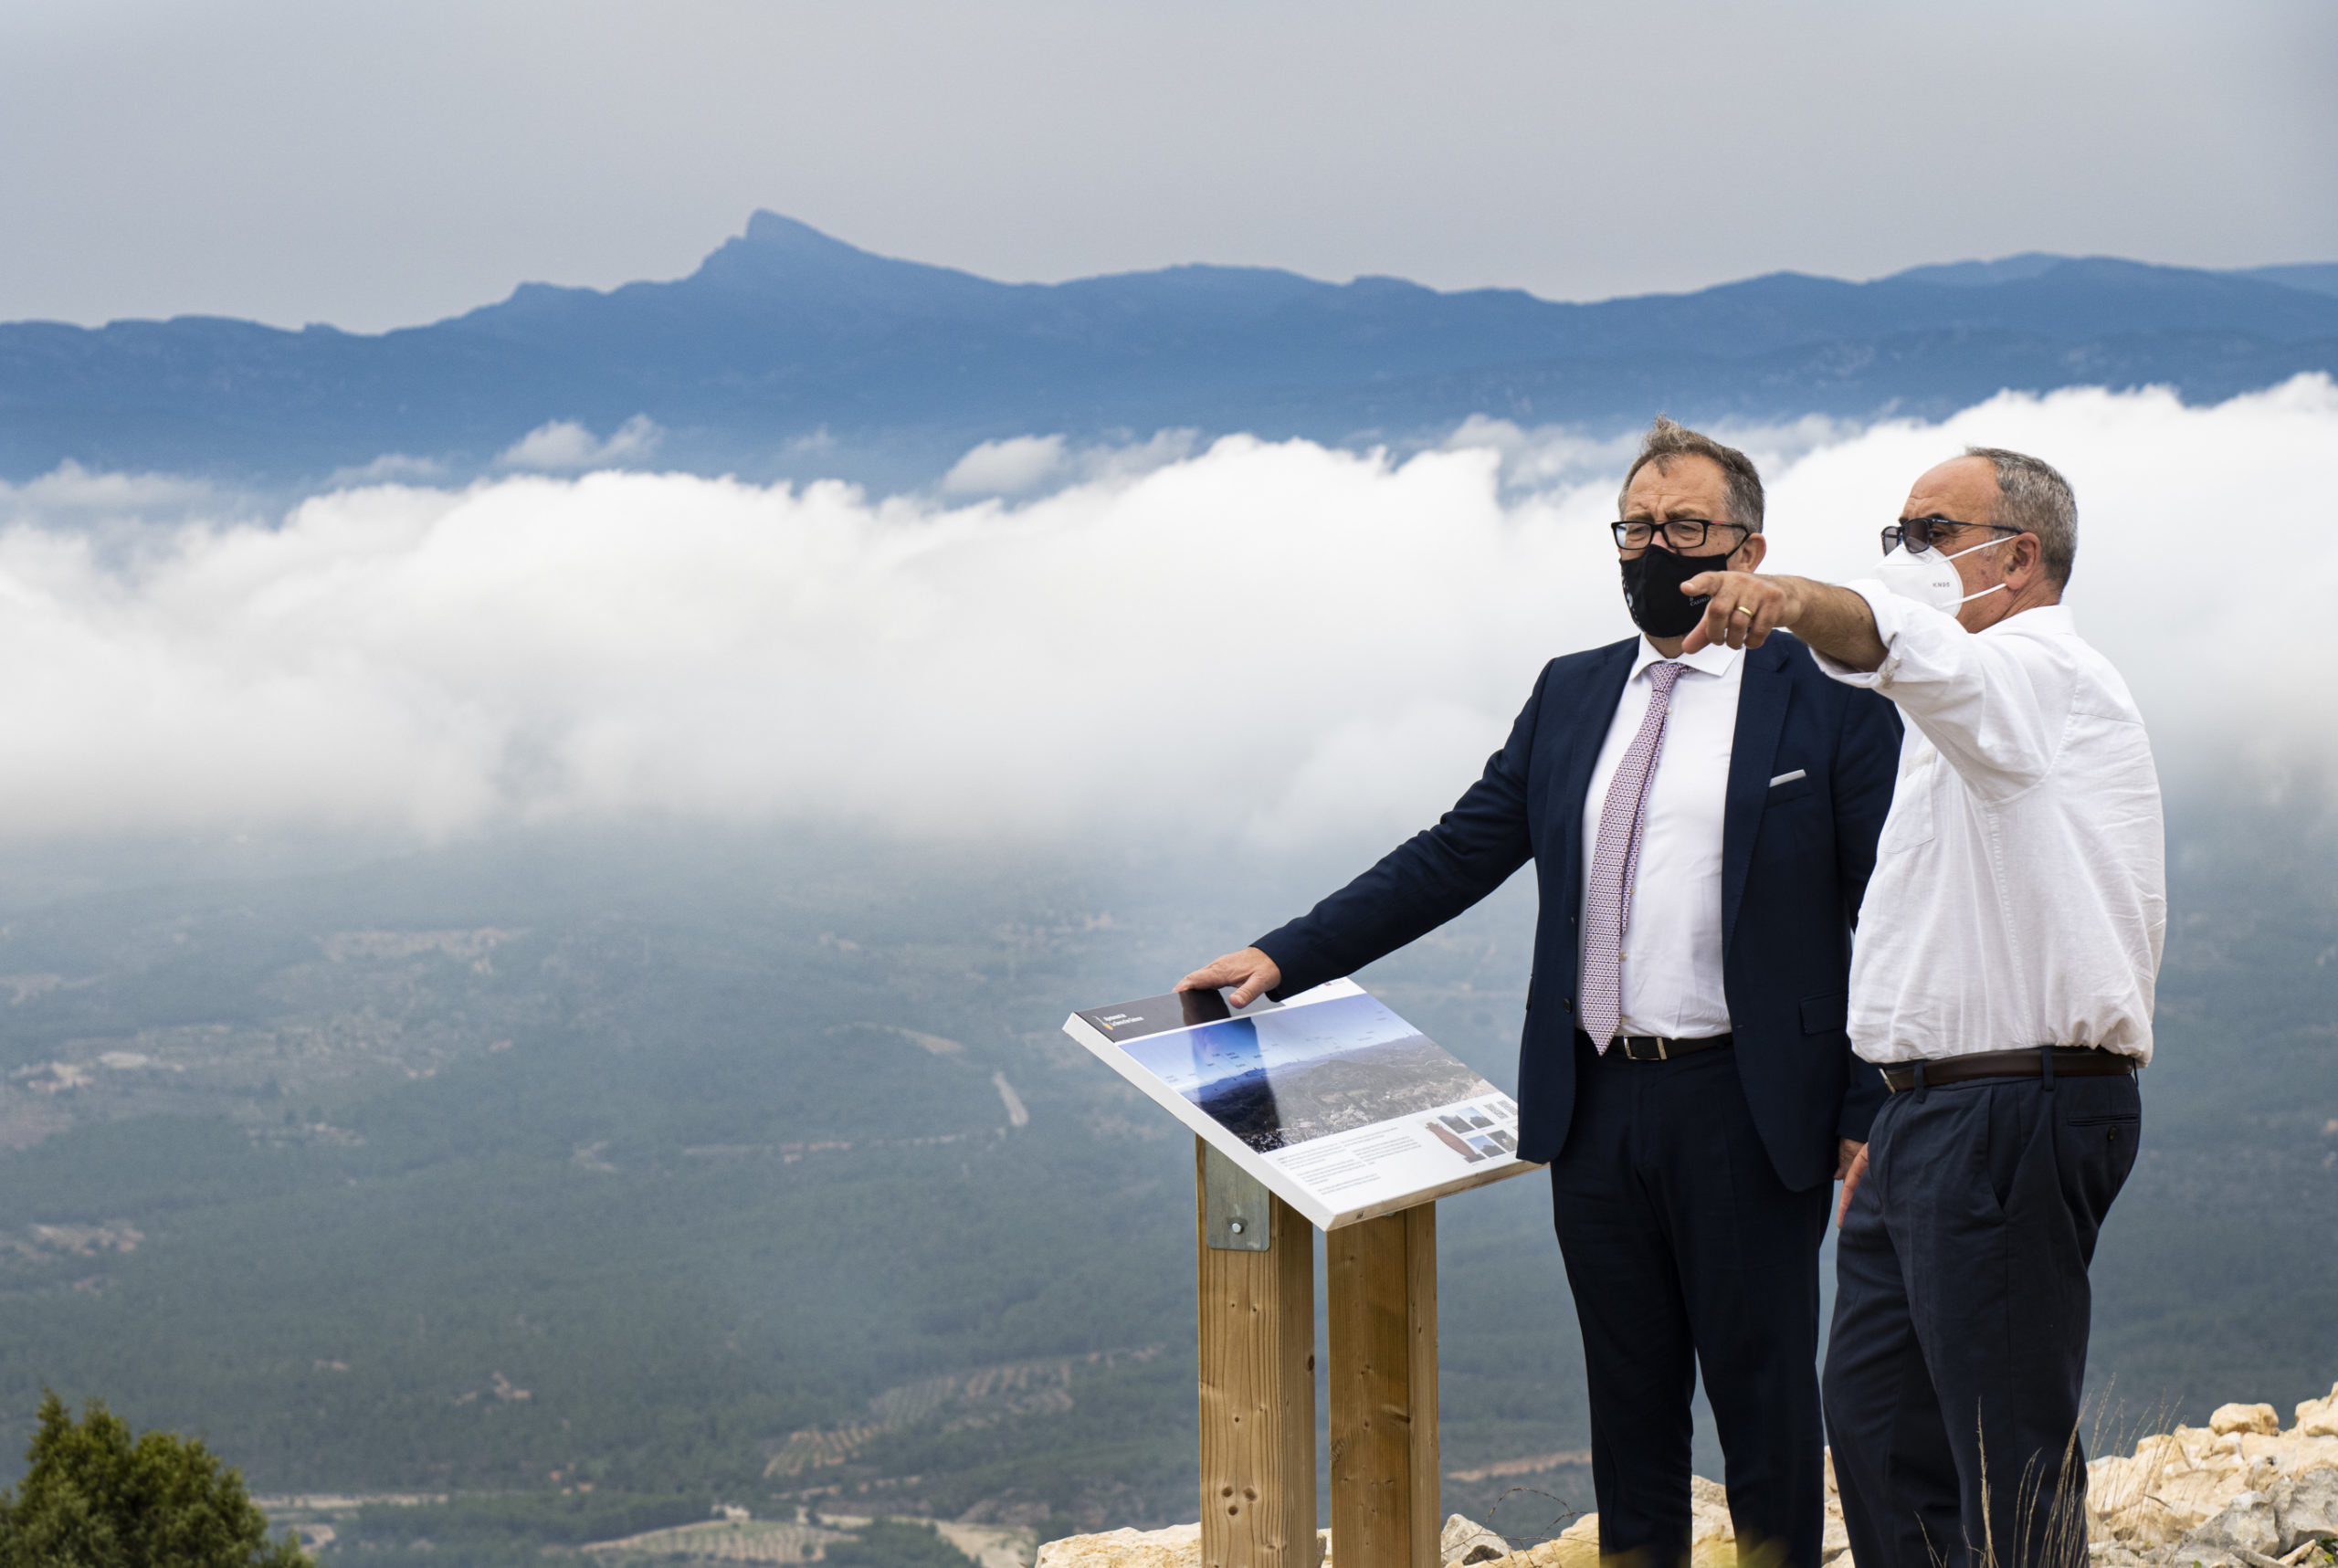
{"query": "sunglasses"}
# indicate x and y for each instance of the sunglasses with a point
(1918, 532)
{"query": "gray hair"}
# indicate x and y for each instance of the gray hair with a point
(1666, 440)
(2033, 497)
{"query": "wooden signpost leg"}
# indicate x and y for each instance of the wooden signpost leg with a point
(1382, 1301)
(1257, 1270)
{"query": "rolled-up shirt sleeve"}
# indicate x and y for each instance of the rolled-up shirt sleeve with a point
(1995, 703)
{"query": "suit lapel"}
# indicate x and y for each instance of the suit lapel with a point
(1761, 698)
(1590, 711)
(1593, 711)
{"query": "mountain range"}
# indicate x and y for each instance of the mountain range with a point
(789, 353)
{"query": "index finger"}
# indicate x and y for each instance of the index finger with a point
(1713, 626)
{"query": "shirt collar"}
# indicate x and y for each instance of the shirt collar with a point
(1713, 658)
(2039, 620)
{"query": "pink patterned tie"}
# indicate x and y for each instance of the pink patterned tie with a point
(1617, 860)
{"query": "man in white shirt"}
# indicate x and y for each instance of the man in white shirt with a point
(1701, 825)
(2008, 947)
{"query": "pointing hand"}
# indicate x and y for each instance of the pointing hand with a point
(1742, 611)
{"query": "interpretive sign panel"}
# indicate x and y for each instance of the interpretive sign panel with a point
(1343, 1109)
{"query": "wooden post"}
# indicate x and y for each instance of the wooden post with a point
(1384, 1480)
(1257, 1383)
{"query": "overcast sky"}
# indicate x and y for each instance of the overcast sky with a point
(372, 164)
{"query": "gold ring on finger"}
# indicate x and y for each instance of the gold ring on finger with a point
(1742, 610)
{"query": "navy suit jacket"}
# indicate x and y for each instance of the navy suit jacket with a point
(1794, 863)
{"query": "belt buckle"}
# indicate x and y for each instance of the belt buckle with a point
(1634, 1056)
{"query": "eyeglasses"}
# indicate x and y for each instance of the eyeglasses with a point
(1916, 532)
(1685, 535)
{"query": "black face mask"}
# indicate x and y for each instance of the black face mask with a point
(1652, 590)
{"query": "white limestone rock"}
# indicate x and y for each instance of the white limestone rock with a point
(1179, 1546)
(1465, 1542)
(2248, 1528)
(1577, 1546)
(2240, 1492)
(1835, 1543)
(2306, 1507)
(1713, 1536)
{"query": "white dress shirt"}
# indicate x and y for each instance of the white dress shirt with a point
(2020, 893)
(1671, 970)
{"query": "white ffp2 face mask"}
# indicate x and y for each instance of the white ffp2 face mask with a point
(1927, 577)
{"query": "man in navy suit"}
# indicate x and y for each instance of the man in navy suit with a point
(1702, 828)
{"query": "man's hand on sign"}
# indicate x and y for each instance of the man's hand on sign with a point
(1251, 974)
(1743, 609)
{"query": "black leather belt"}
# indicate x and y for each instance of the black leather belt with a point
(1660, 1047)
(2043, 1061)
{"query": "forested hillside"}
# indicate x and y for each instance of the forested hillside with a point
(682, 1169)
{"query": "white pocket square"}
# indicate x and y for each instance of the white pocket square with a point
(1788, 778)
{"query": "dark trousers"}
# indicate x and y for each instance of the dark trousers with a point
(1685, 1251)
(1958, 1351)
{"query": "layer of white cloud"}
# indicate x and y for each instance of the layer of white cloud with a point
(565, 447)
(72, 494)
(404, 468)
(1006, 467)
(1020, 465)
(1280, 640)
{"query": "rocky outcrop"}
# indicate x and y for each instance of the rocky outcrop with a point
(1179, 1546)
(1712, 1540)
(2240, 1492)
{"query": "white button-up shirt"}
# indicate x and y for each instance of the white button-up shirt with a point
(1671, 970)
(2020, 892)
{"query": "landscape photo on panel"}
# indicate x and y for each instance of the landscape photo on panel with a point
(1283, 1078)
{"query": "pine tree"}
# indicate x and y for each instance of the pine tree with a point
(95, 1498)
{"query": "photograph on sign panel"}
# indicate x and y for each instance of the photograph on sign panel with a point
(1284, 1078)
